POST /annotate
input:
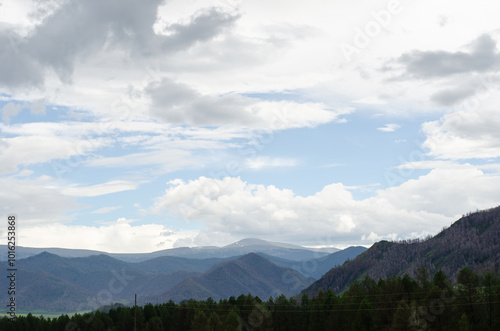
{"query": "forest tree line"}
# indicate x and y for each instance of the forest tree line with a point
(397, 303)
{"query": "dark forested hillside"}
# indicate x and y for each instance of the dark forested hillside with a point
(250, 273)
(472, 242)
(52, 283)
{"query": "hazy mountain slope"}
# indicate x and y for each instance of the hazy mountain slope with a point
(473, 242)
(169, 264)
(92, 273)
(42, 291)
(147, 291)
(333, 260)
(316, 268)
(250, 273)
(53, 283)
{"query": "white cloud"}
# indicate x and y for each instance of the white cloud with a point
(105, 210)
(69, 145)
(481, 56)
(24, 173)
(118, 237)
(123, 220)
(391, 127)
(448, 192)
(222, 47)
(261, 162)
(206, 41)
(372, 100)
(35, 201)
(100, 189)
(427, 165)
(38, 107)
(10, 110)
(27, 150)
(424, 205)
(464, 134)
(162, 161)
(177, 103)
(373, 237)
(491, 167)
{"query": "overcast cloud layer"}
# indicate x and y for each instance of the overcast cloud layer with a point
(133, 126)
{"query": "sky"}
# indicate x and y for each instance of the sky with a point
(137, 126)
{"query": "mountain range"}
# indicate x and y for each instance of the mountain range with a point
(50, 282)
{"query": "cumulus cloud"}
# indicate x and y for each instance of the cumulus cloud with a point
(453, 95)
(76, 30)
(17, 67)
(205, 26)
(44, 213)
(230, 209)
(178, 103)
(481, 57)
(88, 45)
(465, 134)
(468, 91)
(236, 208)
(117, 237)
(448, 192)
(449, 77)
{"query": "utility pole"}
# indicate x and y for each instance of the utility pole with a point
(135, 314)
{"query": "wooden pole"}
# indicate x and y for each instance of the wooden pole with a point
(135, 314)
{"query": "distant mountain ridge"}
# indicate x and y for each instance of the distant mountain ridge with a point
(249, 242)
(473, 242)
(241, 247)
